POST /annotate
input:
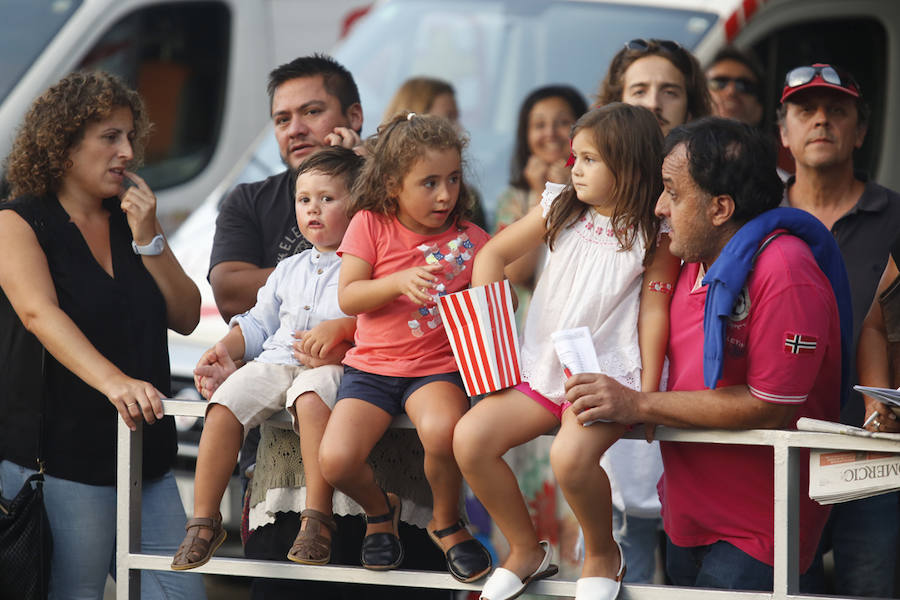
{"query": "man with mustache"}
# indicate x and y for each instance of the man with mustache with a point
(822, 120)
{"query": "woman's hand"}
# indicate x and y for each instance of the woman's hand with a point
(535, 173)
(139, 205)
(134, 398)
(557, 172)
(415, 282)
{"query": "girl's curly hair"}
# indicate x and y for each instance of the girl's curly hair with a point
(393, 151)
(56, 122)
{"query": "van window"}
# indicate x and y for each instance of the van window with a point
(494, 53)
(176, 56)
(859, 45)
(26, 27)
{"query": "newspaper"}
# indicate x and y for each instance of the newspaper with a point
(807, 424)
(888, 396)
(840, 476)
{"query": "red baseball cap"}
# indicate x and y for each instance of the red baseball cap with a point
(819, 75)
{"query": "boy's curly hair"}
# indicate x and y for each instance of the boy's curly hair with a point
(56, 122)
(393, 151)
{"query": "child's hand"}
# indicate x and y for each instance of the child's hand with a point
(344, 137)
(415, 282)
(335, 356)
(212, 369)
(321, 339)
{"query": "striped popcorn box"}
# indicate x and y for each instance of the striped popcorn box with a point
(481, 326)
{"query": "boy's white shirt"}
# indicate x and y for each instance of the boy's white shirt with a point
(298, 295)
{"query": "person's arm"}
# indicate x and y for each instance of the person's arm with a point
(512, 205)
(653, 318)
(594, 396)
(508, 245)
(235, 284)
(180, 293)
(25, 279)
(359, 293)
(872, 362)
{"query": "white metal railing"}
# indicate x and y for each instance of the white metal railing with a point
(786, 444)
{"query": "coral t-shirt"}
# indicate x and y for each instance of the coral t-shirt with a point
(403, 339)
(783, 341)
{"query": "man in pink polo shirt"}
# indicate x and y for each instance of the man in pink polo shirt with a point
(776, 358)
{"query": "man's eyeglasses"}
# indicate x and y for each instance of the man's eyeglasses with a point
(741, 84)
(803, 75)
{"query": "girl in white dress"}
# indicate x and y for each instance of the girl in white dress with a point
(610, 270)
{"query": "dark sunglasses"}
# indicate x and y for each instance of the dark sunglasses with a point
(644, 45)
(803, 75)
(741, 84)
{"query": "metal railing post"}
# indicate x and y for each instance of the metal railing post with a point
(128, 509)
(786, 576)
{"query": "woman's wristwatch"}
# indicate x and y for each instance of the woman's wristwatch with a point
(154, 248)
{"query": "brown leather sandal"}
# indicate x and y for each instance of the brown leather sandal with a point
(194, 550)
(310, 547)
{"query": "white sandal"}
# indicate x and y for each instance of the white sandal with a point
(503, 584)
(601, 588)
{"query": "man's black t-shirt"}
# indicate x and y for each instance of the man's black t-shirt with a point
(257, 224)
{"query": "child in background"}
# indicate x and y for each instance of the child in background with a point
(610, 270)
(299, 295)
(406, 245)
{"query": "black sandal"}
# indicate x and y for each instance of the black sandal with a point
(468, 560)
(383, 551)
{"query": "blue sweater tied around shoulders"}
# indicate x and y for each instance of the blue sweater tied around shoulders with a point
(728, 274)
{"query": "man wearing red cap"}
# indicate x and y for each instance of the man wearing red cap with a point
(822, 120)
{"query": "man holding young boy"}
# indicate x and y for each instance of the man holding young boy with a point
(314, 103)
(770, 354)
(300, 294)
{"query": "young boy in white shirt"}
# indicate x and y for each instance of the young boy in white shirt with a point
(298, 299)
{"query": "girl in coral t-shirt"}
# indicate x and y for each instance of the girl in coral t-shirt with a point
(407, 244)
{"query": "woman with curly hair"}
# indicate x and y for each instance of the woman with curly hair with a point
(88, 287)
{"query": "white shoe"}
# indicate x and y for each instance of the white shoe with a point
(601, 588)
(503, 584)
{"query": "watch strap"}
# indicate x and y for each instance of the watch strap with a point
(154, 248)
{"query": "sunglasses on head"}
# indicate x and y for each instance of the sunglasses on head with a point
(741, 84)
(644, 45)
(803, 75)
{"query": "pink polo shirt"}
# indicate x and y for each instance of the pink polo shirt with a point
(783, 342)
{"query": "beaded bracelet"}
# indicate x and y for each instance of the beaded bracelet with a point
(659, 286)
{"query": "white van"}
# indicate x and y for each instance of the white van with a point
(201, 66)
(495, 52)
